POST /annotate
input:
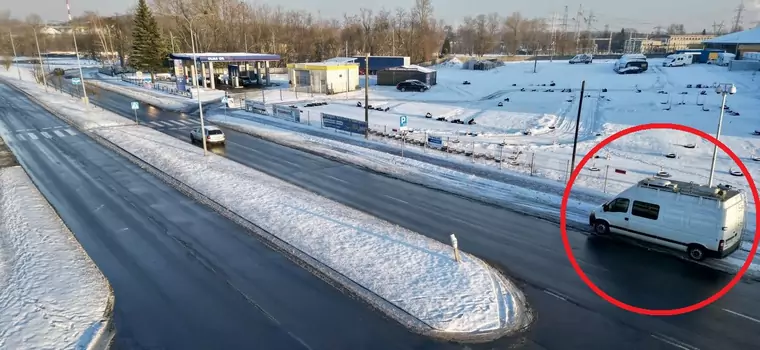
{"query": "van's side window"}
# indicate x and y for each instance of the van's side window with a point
(620, 205)
(646, 210)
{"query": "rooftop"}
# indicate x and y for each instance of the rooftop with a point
(719, 193)
(413, 67)
(225, 56)
(342, 59)
(749, 36)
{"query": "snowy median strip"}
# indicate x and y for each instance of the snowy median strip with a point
(52, 296)
(417, 275)
(411, 278)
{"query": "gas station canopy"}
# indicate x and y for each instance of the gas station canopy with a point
(225, 57)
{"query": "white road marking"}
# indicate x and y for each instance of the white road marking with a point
(186, 122)
(742, 315)
(194, 121)
(673, 342)
(289, 162)
(176, 123)
(59, 133)
(337, 179)
(396, 199)
(156, 124)
(556, 295)
(46, 128)
(32, 136)
(47, 136)
(72, 133)
(20, 137)
(164, 124)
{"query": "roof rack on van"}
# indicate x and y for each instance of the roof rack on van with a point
(720, 192)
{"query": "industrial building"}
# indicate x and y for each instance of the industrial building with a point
(395, 75)
(324, 77)
(737, 43)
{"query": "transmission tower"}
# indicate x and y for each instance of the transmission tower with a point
(738, 17)
(609, 39)
(563, 26)
(553, 42)
(590, 26)
(718, 27)
(578, 18)
(658, 30)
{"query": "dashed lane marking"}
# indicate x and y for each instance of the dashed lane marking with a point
(742, 315)
(32, 136)
(673, 342)
(47, 136)
(59, 133)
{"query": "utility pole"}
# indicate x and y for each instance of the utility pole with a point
(39, 55)
(578, 19)
(366, 94)
(346, 48)
(79, 63)
(577, 124)
(15, 57)
(738, 18)
(171, 37)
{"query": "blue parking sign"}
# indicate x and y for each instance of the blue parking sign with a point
(402, 121)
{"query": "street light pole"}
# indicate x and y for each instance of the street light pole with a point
(79, 63)
(200, 105)
(725, 90)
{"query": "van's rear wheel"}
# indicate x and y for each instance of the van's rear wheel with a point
(696, 253)
(601, 227)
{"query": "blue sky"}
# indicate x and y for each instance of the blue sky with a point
(641, 14)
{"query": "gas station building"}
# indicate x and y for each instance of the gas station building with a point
(255, 66)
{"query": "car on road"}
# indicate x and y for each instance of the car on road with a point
(700, 220)
(412, 85)
(214, 135)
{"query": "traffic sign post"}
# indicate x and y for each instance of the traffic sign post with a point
(402, 121)
(225, 100)
(135, 107)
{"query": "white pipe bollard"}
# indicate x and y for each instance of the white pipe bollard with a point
(455, 245)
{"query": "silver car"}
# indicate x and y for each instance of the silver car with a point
(213, 135)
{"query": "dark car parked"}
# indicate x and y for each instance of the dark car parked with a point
(412, 85)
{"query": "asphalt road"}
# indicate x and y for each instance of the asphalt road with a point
(570, 315)
(184, 277)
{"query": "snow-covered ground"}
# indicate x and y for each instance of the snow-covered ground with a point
(52, 296)
(406, 270)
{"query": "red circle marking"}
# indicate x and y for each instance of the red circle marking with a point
(631, 308)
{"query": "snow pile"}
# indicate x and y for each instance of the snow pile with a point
(414, 273)
(454, 62)
(52, 296)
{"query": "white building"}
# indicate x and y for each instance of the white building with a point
(329, 77)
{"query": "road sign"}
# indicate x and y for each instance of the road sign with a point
(75, 81)
(135, 105)
(224, 99)
(402, 120)
(139, 74)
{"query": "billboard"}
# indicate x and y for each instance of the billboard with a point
(287, 113)
(342, 123)
(179, 74)
(256, 107)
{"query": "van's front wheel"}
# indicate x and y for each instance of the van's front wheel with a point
(601, 228)
(696, 253)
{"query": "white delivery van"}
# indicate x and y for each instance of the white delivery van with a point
(702, 221)
(725, 58)
(582, 58)
(679, 60)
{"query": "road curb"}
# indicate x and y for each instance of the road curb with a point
(314, 266)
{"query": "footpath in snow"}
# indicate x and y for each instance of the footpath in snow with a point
(52, 296)
(411, 278)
